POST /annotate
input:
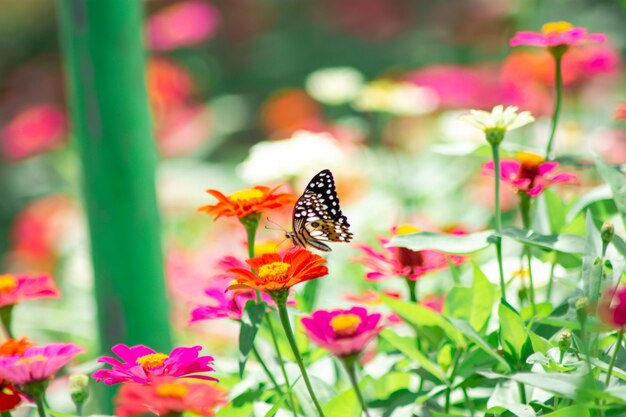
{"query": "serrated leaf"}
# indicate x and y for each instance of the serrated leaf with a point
(448, 243)
(251, 319)
(565, 243)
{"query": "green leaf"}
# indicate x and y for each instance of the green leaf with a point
(539, 344)
(596, 194)
(513, 333)
(555, 210)
(481, 343)
(472, 304)
(272, 411)
(55, 413)
(420, 316)
(448, 243)
(617, 183)
(566, 385)
(232, 410)
(346, 404)
(565, 243)
(572, 411)
(407, 345)
(308, 296)
(251, 318)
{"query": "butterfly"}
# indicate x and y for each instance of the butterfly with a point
(317, 217)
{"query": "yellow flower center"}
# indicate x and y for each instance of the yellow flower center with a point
(276, 271)
(520, 273)
(31, 359)
(556, 27)
(264, 248)
(246, 195)
(173, 390)
(529, 158)
(151, 361)
(345, 324)
(406, 229)
(7, 283)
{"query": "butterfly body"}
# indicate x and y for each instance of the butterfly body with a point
(317, 217)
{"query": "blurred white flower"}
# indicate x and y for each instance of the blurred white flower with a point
(396, 97)
(334, 86)
(303, 152)
(499, 118)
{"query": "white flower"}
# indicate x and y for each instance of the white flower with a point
(334, 86)
(499, 118)
(281, 159)
(396, 97)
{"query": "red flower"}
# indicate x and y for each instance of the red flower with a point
(9, 397)
(612, 307)
(244, 203)
(169, 396)
(279, 271)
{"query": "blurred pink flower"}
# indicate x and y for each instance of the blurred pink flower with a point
(229, 304)
(169, 85)
(35, 130)
(530, 174)
(182, 129)
(556, 34)
(169, 396)
(620, 112)
(458, 87)
(612, 306)
(342, 332)
(17, 288)
(181, 24)
(371, 297)
(434, 302)
(37, 363)
(393, 262)
(140, 364)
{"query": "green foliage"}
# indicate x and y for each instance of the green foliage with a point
(251, 319)
(514, 336)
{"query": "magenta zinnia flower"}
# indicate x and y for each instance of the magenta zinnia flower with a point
(530, 174)
(556, 34)
(390, 262)
(612, 307)
(16, 288)
(342, 332)
(37, 363)
(140, 364)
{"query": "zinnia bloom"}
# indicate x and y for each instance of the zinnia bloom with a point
(612, 307)
(393, 262)
(556, 34)
(169, 396)
(17, 288)
(279, 271)
(529, 173)
(500, 118)
(15, 347)
(140, 364)
(244, 203)
(342, 332)
(37, 363)
(229, 305)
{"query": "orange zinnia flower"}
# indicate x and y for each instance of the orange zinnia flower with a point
(276, 272)
(244, 203)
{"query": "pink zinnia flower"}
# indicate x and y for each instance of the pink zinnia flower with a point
(530, 174)
(556, 34)
(371, 297)
(17, 288)
(343, 332)
(140, 364)
(182, 24)
(37, 129)
(612, 307)
(167, 396)
(37, 363)
(401, 262)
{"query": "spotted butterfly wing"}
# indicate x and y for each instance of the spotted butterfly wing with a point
(317, 217)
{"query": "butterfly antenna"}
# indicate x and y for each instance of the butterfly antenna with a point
(279, 226)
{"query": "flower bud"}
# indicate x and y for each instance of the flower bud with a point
(79, 388)
(607, 231)
(494, 135)
(565, 341)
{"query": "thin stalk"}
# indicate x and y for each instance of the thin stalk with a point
(412, 285)
(6, 315)
(41, 409)
(284, 319)
(350, 365)
(495, 149)
(251, 224)
(453, 370)
(618, 345)
(281, 363)
(558, 83)
(550, 281)
(522, 392)
(524, 207)
(79, 409)
(269, 375)
(468, 402)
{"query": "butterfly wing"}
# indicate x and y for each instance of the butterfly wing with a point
(317, 216)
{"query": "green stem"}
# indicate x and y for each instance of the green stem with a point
(6, 414)
(455, 364)
(6, 316)
(350, 364)
(558, 83)
(522, 392)
(468, 402)
(251, 224)
(281, 363)
(524, 206)
(41, 409)
(79, 409)
(284, 319)
(261, 362)
(618, 345)
(550, 280)
(412, 284)
(495, 149)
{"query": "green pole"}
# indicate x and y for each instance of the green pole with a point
(104, 72)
